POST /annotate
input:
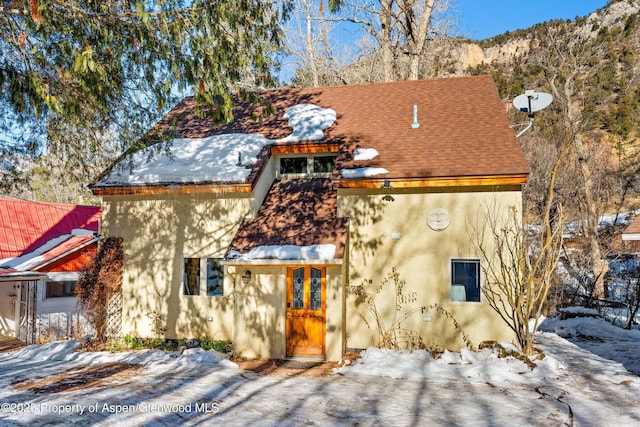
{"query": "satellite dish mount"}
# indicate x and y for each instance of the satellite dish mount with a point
(529, 103)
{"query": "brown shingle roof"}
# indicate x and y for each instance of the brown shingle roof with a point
(300, 212)
(464, 130)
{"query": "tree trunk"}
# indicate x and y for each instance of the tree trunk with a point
(313, 68)
(386, 44)
(599, 265)
(417, 37)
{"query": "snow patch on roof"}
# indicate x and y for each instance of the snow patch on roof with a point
(362, 172)
(218, 158)
(35, 257)
(187, 160)
(365, 154)
(287, 252)
(308, 122)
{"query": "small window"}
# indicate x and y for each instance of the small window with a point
(465, 280)
(323, 164)
(61, 288)
(292, 165)
(215, 277)
(191, 279)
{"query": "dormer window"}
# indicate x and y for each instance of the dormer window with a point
(306, 165)
(293, 165)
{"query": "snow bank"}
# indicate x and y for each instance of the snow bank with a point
(157, 361)
(57, 350)
(484, 365)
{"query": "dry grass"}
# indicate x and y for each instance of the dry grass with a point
(79, 378)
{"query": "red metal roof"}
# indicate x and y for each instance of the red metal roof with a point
(26, 226)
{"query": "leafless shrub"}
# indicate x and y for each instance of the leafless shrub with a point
(99, 282)
(391, 333)
(519, 266)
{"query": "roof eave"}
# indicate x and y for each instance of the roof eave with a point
(459, 181)
(171, 188)
(67, 253)
(281, 262)
(22, 276)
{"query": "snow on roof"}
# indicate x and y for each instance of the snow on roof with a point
(33, 258)
(10, 274)
(362, 172)
(27, 225)
(287, 252)
(365, 154)
(217, 158)
(308, 122)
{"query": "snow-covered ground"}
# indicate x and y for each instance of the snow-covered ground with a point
(584, 379)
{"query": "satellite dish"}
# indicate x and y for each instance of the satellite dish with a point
(531, 101)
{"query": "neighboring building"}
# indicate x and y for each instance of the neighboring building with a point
(43, 247)
(632, 232)
(257, 230)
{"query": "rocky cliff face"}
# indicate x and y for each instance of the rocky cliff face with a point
(502, 50)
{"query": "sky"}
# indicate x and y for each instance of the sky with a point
(481, 19)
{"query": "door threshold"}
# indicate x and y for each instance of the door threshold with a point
(306, 358)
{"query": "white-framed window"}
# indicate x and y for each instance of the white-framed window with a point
(465, 280)
(209, 271)
(215, 277)
(61, 288)
(299, 165)
(60, 285)
(191, 277)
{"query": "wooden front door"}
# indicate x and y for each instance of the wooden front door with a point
(305, 325)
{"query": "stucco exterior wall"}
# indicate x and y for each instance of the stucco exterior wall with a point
(159, 231)
(335, 314)
(260, 312)
(394, 234)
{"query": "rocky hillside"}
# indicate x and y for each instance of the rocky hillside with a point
(599, 55)
(618, 23)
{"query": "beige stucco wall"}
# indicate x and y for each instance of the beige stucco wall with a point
(335, 313)
(260, 312)
(159, 231)
(422, 258)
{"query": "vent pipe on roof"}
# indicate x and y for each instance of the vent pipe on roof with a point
(415, 124)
